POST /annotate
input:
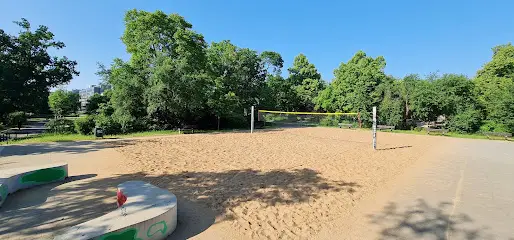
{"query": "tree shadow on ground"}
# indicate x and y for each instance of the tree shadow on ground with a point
(62, 147)
(203, 197)
(423, 221)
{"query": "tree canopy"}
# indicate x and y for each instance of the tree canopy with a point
(353, 89)
(28, 71)
(63, 102)
(173, 77)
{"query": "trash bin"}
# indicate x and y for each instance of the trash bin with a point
(99, 132)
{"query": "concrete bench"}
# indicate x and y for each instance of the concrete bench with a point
(385, 127)
(497, 134)
(437, 130)
(14, 179)
(147, 212)
(345, 125)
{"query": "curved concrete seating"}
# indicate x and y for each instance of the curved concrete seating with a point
(14, 179)
(149, 212)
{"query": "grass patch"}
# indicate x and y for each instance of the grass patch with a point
(50, 137)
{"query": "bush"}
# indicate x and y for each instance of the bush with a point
(108, 124)
(418, 129)
(85, 125)
(60, 125)
(491, 126)
(391, 112)
(329, 121)
(467, 121)
(16, 119)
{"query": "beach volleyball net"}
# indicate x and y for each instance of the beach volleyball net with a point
(268, 118)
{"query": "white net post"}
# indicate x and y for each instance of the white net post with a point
(252, 120)
(374, 129)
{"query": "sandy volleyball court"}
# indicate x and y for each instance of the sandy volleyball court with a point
(283, 183)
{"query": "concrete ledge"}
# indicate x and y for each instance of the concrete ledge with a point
(14, 179)
(148, 213)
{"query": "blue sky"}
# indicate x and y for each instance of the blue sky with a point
(413, 36)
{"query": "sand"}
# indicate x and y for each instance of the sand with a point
(273, 184)
(276, 184)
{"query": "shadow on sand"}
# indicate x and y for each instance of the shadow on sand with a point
(203, 197)
(62, 147)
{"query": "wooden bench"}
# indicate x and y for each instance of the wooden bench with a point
(147, 212)
(14, 179)
(497, 134)
(437, 131)
(345, 125)
(385, 127)
(187, 129)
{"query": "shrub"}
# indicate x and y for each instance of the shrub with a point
(16, 119)
(467, 121)
(491, 126)
(108, 124)
(60, 125)
(330, 121)
(418, 129)
(85, 125)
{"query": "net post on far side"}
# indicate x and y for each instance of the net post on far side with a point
(374, 129)
(252, 120)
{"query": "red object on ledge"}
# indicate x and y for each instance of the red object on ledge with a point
(120, 198)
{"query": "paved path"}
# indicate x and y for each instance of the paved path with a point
(465, 191)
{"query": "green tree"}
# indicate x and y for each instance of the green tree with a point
(392, 107)
(456, 93)
(85, 125)
(495, 87)
(237, 79)
(28, 71)
(93, 103)
(407, 87)
(127, 99)
(17, 119)
(353, 89)
(273, 62)
(426, 102)
(169, 58)
(306, 81)
(281, 95)
(63, 102)
(278, 93)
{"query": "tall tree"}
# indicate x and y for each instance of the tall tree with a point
(456, 93)
(278, 93)
(392, 105)
(306, 82)
(63, 102)
(237, 78)
(164, 74)
(28, 71)
(94, 102)
(495, 86)
(353, 89)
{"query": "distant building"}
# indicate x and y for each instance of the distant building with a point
(86, 93)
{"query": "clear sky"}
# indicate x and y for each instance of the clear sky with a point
(450, 36)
